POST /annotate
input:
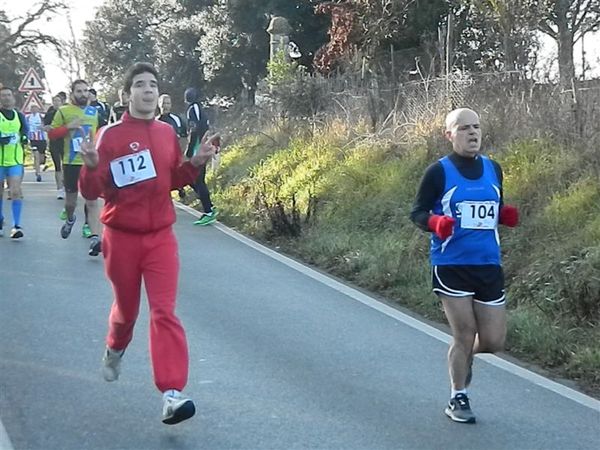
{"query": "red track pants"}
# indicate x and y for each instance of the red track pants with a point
(129, 257)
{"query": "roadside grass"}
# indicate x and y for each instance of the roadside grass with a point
(342, 203)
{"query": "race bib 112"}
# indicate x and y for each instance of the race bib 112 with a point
(133, 168)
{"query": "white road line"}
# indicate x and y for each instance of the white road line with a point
(5, 443)
(539, 380)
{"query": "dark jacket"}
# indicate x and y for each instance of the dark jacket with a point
(197, 126)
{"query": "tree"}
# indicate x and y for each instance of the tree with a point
(233, 55)
(158, 31)
(401, 22)
(408, 26)
(566, 21)
(21, 32)
(235, 46)
(343, 36)
(19, 40)
(118, 36)
(380, 28)
(495, 34)
(192, 42)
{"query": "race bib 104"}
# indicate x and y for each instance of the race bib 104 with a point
(479, 215)
(133, 168)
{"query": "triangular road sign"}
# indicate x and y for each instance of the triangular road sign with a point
(32, 99)
(31, 82)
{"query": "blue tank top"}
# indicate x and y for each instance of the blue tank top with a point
(474, 204)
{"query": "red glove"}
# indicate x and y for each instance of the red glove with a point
(442, 226)
(509, 216)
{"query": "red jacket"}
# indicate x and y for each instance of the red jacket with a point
(145, 206)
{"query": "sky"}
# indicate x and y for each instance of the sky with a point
(84, 10)
(80, 11)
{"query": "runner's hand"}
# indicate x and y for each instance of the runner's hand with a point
(88, 151)
(442, 226)
(208, 148)
(74, 124)
(509, 216)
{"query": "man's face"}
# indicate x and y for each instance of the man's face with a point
(80, 94)
(7, 99)
(123, 97)
(165, 105)
(57, 102)
(465, 134)
(92, 97)
(143, 94)
(35, 109)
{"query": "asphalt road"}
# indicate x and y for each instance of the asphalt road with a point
(279, 360)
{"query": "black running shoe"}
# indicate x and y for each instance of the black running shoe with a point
(459, 410)
(1, 226)
(95, 246)
(65, 230)
(16, 232)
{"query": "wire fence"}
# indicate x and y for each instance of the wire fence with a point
(511, 106)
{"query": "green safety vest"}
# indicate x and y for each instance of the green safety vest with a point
(11, 154)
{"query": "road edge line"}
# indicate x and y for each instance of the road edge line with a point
(5, 443)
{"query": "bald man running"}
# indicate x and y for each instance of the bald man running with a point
(460, 201)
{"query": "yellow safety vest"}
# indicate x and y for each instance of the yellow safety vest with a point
(11, 154)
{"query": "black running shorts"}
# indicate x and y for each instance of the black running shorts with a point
(38, 146)
(484, 283)
(71, 177)
(57, 152)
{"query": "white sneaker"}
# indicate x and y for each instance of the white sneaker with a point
(60, 194)
(111, 364)
(177, 408)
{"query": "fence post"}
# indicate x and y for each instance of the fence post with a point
(449, 57)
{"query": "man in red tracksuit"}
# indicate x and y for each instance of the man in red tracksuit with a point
(134, 166)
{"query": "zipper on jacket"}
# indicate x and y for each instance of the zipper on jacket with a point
(149, 199)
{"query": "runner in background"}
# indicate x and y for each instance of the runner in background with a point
(56, 148)
(102, 108)
(119, 108)
(198, 125)
(178, 124)
(37, 140)
(13, 138)
(71, 123)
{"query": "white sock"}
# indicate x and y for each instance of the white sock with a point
(171, 393)
(454, 393)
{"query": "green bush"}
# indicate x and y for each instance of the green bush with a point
(296, 93)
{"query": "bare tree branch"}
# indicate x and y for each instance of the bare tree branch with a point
(544, 27)
(21, 36)
(576, 8)
(590, 26)
(584, 26)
